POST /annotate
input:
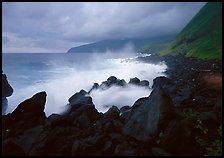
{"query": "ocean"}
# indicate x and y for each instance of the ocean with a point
(62, 74)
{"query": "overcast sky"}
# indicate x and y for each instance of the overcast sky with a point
(57, 26)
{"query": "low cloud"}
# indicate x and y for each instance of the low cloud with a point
(58, 26)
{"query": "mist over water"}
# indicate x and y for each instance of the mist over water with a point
(62, 75)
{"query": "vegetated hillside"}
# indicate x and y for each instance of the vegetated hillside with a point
(118, 44)
(202, 36)
(158, 46)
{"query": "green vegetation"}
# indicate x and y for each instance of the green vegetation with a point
(154, 47)
(202, 36)
(195, 117)
(213, 148)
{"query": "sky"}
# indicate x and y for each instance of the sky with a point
(55, 27)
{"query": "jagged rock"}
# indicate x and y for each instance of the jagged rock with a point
(178, 94)
(164, 82)
(135, 81)
(152, 115)
(9, 148)
(160, 152)
(113, 112)
(80, 98)
(121, 82)
(93, 145)
(144, 83)
(88, 110)
(30, 111)
(111, 80)
(124, 109)
(94, 87)
(83, 121)
(180, 137)
(7, 91)
(125, 149)
(58, 120)
(206, 116)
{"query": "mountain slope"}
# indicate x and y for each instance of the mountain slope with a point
(202, 36)
(117, 44)
(155, 48)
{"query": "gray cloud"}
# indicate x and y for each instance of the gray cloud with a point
(57, 26)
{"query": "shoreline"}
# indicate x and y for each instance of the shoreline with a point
(183, 104)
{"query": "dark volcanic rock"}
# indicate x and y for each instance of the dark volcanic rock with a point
(121, 82)
(9, 148)
(7, 91)
(80, 98)
(94, 87)
(113, 112)
(59, 120)
(33, 107)
(144, 83)
(164, 82)
(111, 80)
(160, 152)
(152, 115)
(180, 137)
(124, 109)
(135, 81)
(178, 94)
(28, 113)
(88, 110)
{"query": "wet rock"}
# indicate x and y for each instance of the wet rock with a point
(94, 87)
(152, 115)
(58, 120)
(112, 113)
(88, 110)
(134, 81)
(144, 83)
(121, 82)
(80, 98)
(180, 138)
(83, 121)
(210, 115)
(111, 80)
(9, 148)
(7, 91)
(30, 111)
(125, 149)
(164, 82)
(160, 152)
(124, 109)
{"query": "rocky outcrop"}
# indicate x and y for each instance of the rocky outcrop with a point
(80, 98)
(28, 113)
(7, 91)
(113, 81)
(177, 94)
(152, 115)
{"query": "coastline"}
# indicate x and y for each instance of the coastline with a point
(185, 98)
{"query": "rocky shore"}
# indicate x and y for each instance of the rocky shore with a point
(7, 91)
(181, 116)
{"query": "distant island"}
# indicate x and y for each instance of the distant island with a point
(118, 44)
